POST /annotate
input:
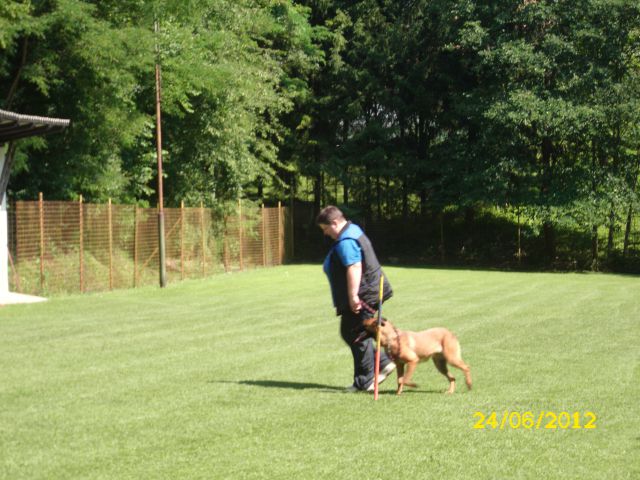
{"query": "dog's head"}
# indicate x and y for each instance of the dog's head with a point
(368, 327)
(371, 324)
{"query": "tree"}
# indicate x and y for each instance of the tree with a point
(229, 76)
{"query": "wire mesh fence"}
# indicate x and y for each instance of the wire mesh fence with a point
(66, 247)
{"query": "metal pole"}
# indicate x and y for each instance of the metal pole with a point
(161, 243)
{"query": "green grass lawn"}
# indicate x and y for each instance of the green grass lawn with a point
(241, 376)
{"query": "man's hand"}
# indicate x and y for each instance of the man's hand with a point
(354, 303)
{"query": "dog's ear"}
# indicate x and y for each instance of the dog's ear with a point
(383, 322)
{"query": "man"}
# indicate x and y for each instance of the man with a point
(354, 276)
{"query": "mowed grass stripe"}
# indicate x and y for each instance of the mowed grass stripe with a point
(240, 376)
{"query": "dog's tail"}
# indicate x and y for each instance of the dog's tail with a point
(453, 353)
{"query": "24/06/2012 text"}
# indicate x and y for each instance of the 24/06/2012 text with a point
(546, 420)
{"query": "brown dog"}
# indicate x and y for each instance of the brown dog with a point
(410, 348)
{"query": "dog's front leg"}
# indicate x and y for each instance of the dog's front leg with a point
(400, 373)
(406, 379)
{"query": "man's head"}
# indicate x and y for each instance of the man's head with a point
(331, 221)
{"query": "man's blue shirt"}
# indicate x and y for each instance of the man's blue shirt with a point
(348, 251)
(346, 247)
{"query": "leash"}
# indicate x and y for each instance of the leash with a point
(364, 334)
(364, 305)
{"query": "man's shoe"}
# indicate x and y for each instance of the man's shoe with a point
(382, 376)
(352, 389)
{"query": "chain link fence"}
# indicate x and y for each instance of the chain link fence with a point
(66, 247)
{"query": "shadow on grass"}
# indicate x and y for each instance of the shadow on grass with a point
(290, 385)
(283, 384)
(317, 386)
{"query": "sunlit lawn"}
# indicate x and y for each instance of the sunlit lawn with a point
(241, 376)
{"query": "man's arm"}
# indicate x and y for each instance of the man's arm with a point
(354, 275)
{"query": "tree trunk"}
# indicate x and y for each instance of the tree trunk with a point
(405, 201)
(519, 251)
(594, 248)
(293, 186)
(469, 222)
(317, 192)
(594, 228)
(388, 200)
(379, 196)
(547, 174)
(345, 194)
(442, 245)
(423, 202)
(549, 241)
(612, 226)
(627, 232)
(16, 80)
(368, 195)
(260, 188)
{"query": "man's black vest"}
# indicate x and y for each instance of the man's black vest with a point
(370, 282)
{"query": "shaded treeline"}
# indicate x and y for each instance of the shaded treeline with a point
(396, 109)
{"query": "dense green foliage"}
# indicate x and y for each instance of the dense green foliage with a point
(392, 107)
(202, 381)
(230, 70)
(527, 105)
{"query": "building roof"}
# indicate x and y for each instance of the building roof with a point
(14, 125)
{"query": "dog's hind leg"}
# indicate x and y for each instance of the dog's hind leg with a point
(441, 364)
(453, 356)
(458, 363)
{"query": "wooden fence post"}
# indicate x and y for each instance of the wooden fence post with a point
(135, 246)
(225, 248)
(264, 238)
(41, 212)
(81, 242)
(182, 240)
(240, 233)
(110, 222)
(202, 239)
(280, 233)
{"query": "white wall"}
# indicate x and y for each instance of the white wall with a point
(4, 229)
